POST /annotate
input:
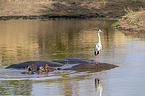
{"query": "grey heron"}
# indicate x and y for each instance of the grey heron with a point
(98, 45)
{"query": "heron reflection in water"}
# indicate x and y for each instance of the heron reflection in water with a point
(98, 46)
(98, 86)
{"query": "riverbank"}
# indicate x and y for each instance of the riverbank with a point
(98, 9)
(44, 9)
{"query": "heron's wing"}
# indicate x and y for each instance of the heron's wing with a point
(96, 47)
(96, 51)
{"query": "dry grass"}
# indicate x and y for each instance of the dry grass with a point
(132, 21)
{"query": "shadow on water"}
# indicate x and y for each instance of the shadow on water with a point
(140, 35)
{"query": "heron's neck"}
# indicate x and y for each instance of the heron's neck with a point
(99, 37)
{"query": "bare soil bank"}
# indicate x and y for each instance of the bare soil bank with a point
(43, 9)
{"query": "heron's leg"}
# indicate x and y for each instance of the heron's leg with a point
(96, 61)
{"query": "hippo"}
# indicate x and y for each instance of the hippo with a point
(39, 70)
(74, 61)
(93, 67)
(76, 64)
(81, 64)
(35, 63)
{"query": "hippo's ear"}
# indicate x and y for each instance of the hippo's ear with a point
(46, 65)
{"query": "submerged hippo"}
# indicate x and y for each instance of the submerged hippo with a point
(35, 63)
(77, 64)
(81, 64)
(93, 67)
(74, 61)
(39, 70)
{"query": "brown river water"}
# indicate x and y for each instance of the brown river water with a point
(27, 40)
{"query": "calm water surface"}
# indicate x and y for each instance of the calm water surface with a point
(25, 40)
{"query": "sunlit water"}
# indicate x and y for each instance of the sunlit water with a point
(25, 40)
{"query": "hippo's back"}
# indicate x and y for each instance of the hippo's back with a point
(35, 63)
